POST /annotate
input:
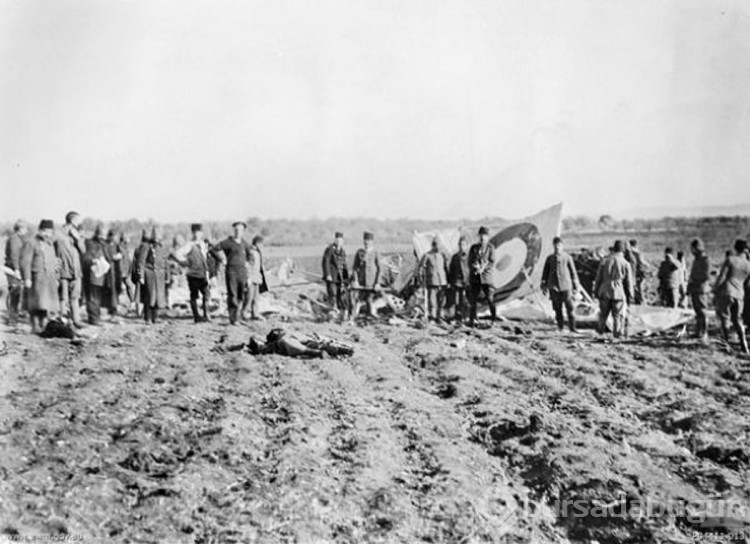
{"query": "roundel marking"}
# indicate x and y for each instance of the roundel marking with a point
(519, 248)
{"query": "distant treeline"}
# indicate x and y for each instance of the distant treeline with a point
(287, 232)
(607, 223)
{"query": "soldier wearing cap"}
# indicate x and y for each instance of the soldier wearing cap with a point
(698, 287)
(153, 276)
(13, 247)
(234, 253)
(458, 277)
(39, 269)
(639, 267)
(366, 274)
(256, 278)
(336, 274)
(194, 257)
(69, 249)
(729, 293)
(482, 270)
(560, 280)
(614, 287)
(433, 269)
(670, 275)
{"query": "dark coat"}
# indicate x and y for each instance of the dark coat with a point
(458, 270)
(96, 248)
(153, 268)
(670, 273)
(482, 264)
(366, 269)
(700, 275)
(133, 270)
(559, 273)
(237, 255)
(334, 264)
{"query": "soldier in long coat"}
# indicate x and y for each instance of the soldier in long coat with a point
(39, 270)
(153, 276)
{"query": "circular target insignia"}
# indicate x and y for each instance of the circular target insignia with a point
(520, 247)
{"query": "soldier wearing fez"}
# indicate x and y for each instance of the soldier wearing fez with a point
(366, 275)
(39, 270)
(336, 274)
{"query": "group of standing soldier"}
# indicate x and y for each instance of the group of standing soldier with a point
(53, 274)
(620, 275)
(348, 293)
(731, 291)
(469, 276)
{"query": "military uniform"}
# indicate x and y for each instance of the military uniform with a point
(481, 279)
(433, 268)
(698, 288)
(560, 278)
(458, 278)
(614, 286)
(730, 295)
(336, 274)
(366, 276)
(633, 256)
(237, 256)
(670, 275)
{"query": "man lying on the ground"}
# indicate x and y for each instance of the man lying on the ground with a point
(298, 345)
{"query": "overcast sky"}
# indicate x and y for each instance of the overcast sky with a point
(180, 110)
